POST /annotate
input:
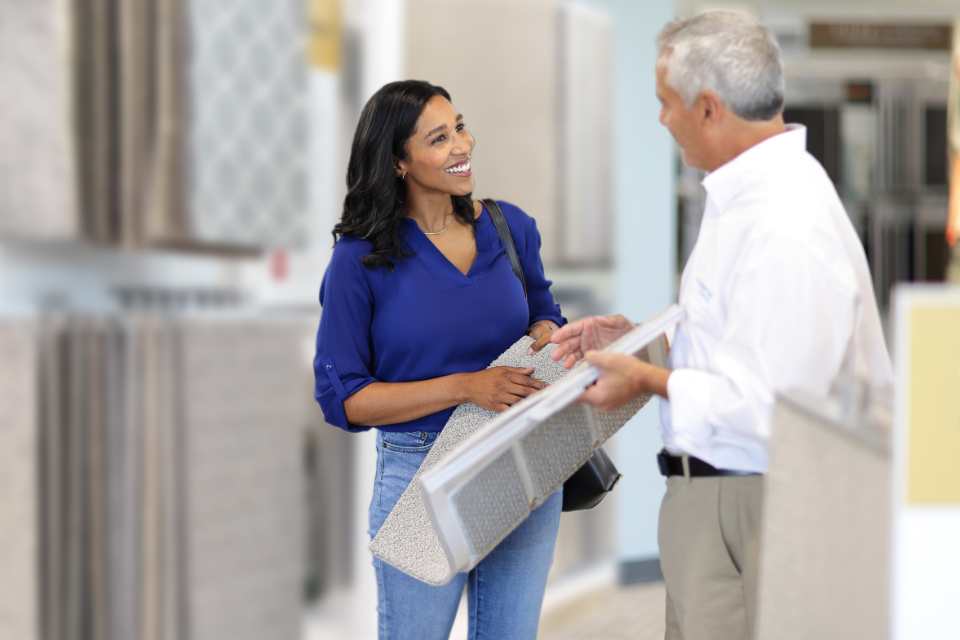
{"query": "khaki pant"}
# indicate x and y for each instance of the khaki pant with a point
(709, 546)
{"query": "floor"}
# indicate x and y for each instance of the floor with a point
(609, 613)
(593, 609)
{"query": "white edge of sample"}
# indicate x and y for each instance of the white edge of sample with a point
(441, 482)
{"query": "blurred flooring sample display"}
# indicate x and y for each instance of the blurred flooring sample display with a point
(19, 583)
(247, 132)
(533, 79)
(37, 162)
(168, 452)
(243, 427)
(825, 556)
(176, 123)
(329, 502)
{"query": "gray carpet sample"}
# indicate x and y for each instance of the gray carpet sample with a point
(407, 540)
(19, 606)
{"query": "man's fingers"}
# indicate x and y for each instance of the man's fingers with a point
(562, 350)
(593, 396)
(598, 397)
(566, 332)
(602, 359)
(571, 360)
(565, 349)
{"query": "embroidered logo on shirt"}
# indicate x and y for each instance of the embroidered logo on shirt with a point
(704, 290)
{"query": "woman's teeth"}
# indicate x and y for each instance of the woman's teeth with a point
(463, 167)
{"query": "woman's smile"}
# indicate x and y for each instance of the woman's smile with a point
(460, 170)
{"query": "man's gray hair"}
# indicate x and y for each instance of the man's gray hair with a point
(728, 53)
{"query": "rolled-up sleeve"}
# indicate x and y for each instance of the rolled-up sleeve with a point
(787, 326)
(539, 299)
(342, 364)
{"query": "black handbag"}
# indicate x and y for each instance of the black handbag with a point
(598, 475)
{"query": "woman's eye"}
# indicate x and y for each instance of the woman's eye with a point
(461, 127)
(439, 138)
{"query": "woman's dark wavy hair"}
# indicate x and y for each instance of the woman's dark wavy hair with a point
(374, 208)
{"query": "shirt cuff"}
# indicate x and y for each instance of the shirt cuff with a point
(558, 319)
(690, 394)
(332, 400)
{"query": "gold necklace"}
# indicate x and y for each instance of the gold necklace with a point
(446, 224)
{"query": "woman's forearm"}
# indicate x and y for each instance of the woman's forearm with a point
(381, 403)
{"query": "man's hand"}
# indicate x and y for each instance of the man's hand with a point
(541, 332)
(622, 378)
(595, 332)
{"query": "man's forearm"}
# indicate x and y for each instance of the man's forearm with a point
(654, 379)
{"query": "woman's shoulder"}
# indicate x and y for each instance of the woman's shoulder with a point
(519, 220)
(350, 247)
(348, 254)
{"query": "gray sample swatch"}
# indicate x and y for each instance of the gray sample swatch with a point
(408, 541)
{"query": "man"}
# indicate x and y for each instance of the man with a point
(777, 295)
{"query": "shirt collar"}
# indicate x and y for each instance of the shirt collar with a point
(726, 182)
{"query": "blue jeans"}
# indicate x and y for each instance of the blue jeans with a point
(504, 591)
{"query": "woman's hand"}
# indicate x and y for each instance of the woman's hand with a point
(497, 388)
(541, 332)
(589, 334)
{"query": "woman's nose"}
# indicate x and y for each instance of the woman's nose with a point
(464, 143)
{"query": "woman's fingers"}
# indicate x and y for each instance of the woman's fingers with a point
(526, 371)
(527, 381)
(541, 342)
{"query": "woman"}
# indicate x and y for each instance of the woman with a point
(418, 299)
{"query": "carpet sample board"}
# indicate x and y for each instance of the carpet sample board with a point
(500, 500)
(37, 145)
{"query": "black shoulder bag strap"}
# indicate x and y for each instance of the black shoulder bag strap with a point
(598, 475)
(506, 239)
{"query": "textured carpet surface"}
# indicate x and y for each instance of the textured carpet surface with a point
(408, 541)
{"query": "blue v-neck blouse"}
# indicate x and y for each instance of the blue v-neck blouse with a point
(425, 318)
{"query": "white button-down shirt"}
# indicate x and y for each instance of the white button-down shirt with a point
(778, 296)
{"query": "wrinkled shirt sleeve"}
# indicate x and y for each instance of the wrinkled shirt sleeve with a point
(787, 327)
(342, 363)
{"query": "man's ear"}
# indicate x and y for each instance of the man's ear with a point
(710, 108)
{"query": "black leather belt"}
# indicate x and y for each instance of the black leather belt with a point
(671, 465)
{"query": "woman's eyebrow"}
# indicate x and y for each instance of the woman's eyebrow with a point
(442, 127)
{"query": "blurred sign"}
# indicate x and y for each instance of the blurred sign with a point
(326, 33)
(859, 35)
(933, 413)
(860, 92)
